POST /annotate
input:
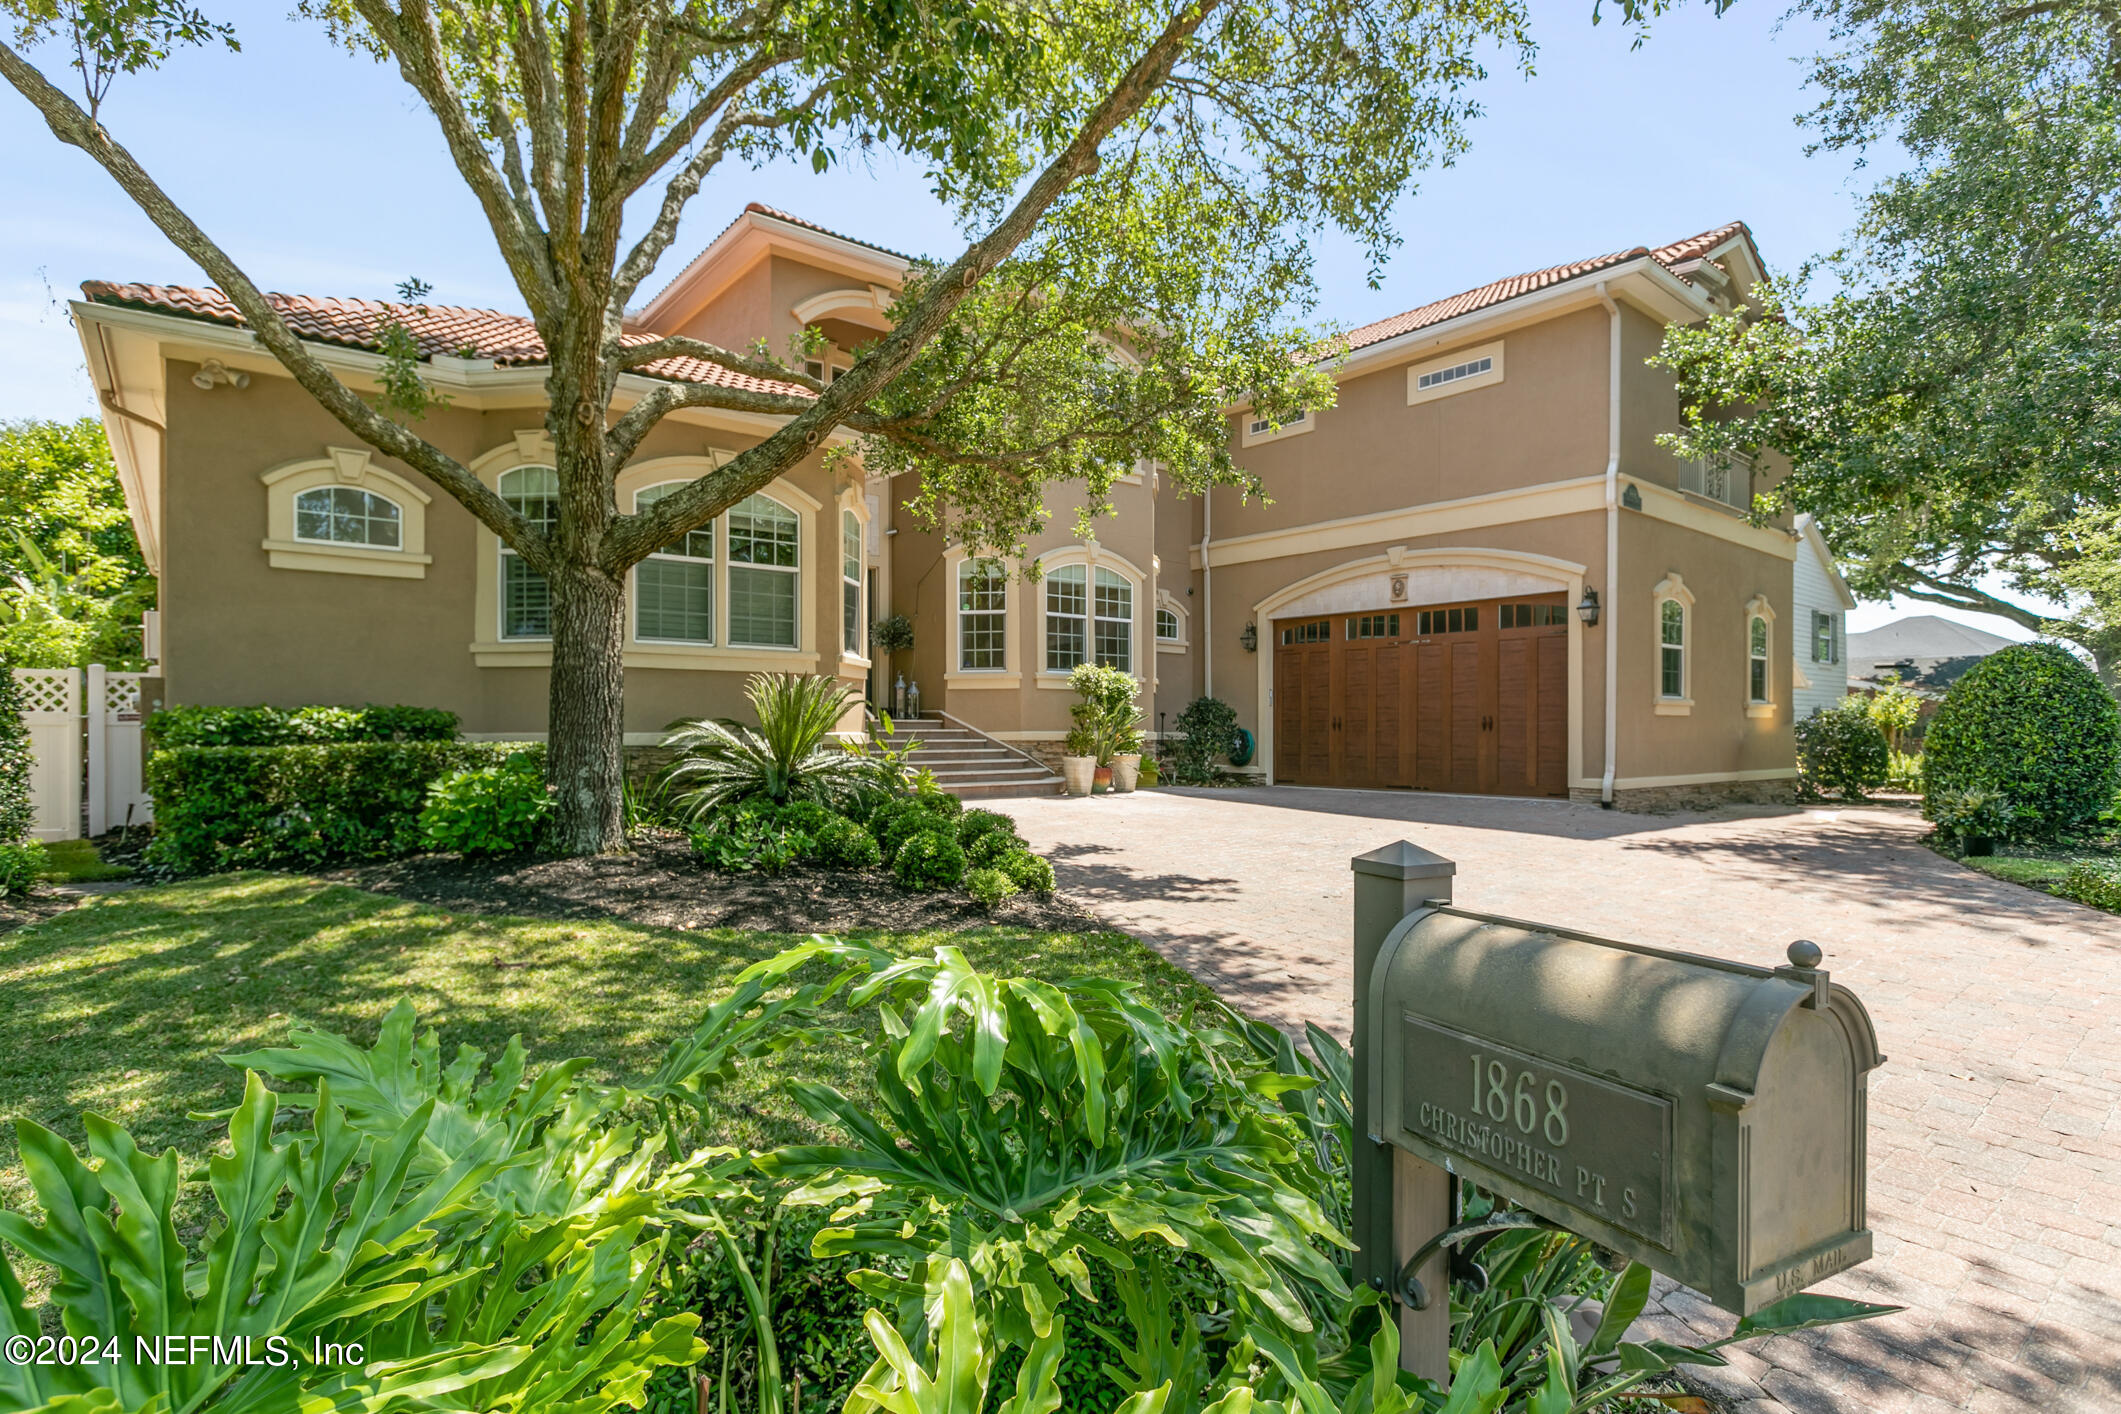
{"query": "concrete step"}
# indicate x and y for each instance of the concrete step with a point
(969, 764)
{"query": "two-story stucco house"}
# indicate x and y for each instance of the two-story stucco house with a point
(1477, 572)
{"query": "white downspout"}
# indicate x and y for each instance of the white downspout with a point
(1207, 595)
(1612, 553)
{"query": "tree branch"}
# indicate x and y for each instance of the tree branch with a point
(73, 127)
(1966, 596)
(679, 346)
(631, 538)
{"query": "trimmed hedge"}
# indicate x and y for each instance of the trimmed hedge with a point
(931, 860)
(17, 813)
(1841, 748)
(240, 807)
(2034, 725)
(281, 726)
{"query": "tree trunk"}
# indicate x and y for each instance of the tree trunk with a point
(584, 753)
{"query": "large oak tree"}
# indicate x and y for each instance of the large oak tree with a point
(1136, 179)
(1952, 411)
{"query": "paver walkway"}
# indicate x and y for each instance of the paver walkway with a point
(1995, 1185)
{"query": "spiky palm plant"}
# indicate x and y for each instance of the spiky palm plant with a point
(786, 758)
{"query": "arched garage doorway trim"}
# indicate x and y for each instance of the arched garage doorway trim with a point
(1433, 575)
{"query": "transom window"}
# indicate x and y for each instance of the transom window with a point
(1441, 376)
(763, 571)
(1671, 651)
(673, 589)
(1535, 616)
(1317, 631)
(1465, 619)
(1374, 626)
(348, 515)
(1757, 658)
(1258, 425)
(1166, 626)
(982, 617)
(533, 492)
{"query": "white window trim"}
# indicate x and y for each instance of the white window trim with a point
(852, 503)
(532, 447)
(1674, 589)
(348, 544)
(500, 565)
(1487, 378)
(1307, 421)
(633, 605)
(1093, 557)
(956, 675)
(344, 466)
(1758, 607)
(1166, 600)
(794, 571)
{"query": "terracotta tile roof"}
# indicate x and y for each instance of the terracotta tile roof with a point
(506, 339)
(764, 210)
(1500, 291)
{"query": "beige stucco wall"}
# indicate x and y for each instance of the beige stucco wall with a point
(238, 631)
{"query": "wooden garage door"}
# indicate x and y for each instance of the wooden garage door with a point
(1467, 698)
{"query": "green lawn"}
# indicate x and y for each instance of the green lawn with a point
(2049, 870)
(124, 1005)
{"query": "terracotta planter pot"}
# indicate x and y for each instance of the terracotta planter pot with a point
(1101, 778)
(1126, 772)
(1076, 774)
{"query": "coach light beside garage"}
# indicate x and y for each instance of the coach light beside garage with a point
(1704, 1117)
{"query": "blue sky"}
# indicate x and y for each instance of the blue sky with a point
(318, 171)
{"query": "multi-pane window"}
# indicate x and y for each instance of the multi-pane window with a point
(1823, 638)
(1671, 649)
(1259, 425)
(673, 589)
(763, 571)
(347, 515)
(1535, 616)
(851, 635)
(1756, 644)
(1441, 376)
(1465, 619)
(1167, 626)
(1088, 618)
(1317, 631)
(1114, 621)
(1067, 617)
(982, 617)
(533, 492)
(1373, 626)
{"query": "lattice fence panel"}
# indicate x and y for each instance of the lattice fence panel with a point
(49, 691)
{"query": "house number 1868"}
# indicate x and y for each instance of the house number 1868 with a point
(1505, 1102)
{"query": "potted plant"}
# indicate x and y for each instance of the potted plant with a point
(1079, 760)
(1973, 819)
(891, 635)
(1126, 760)
(1106, 710)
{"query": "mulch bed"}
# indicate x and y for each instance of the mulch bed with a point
(659, 882)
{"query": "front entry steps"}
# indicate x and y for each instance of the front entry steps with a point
(970, 765)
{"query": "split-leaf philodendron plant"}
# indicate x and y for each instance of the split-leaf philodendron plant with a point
(468, 1236)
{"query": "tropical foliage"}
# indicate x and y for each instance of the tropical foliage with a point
(786, 758)
(1106, 713)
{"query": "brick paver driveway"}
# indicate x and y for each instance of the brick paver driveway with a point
(1995, 1123)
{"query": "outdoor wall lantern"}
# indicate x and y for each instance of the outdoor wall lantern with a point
(1588, 609)
(1249, 639)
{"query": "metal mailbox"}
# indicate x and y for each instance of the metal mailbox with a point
(1704, 1117)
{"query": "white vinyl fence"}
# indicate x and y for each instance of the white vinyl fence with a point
(70, 730)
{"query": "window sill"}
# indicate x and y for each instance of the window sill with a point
(537, 653)
(856, 660)
(345, 559)
(1171, 645)
(1760, 709)
(983, 678)
(1674, 707)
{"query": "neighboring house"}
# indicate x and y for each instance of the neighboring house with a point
(1923, 651)
(1820, 676)
(1410, 609)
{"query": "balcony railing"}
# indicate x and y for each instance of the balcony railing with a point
(1732, 485)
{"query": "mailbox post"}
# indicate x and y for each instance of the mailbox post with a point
(1704, 1117)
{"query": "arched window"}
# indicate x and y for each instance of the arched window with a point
(1067, 617)
(1756, 640)
(673, 589)
(1089, 618)
(533, 492)
(763, 570)
(982, 617)
(1671, 648)
(1113, 607)
(852, 639)
(1166, 626)
(348, 515)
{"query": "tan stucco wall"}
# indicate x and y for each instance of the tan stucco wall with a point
(238, 631)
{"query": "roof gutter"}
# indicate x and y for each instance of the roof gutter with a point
(1612, 550)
